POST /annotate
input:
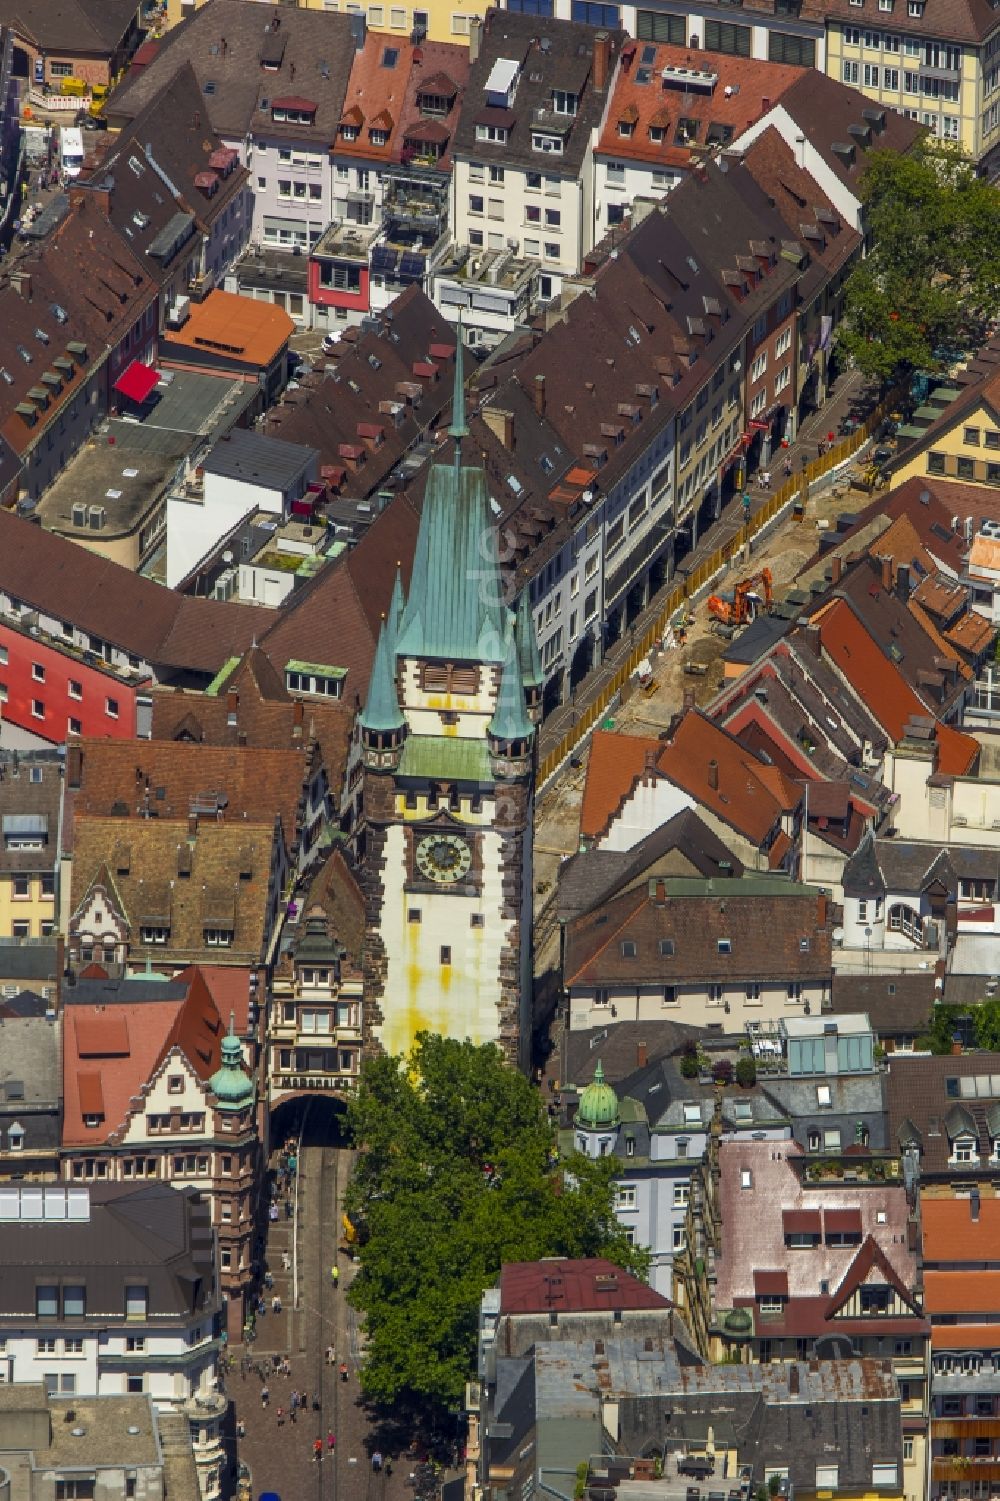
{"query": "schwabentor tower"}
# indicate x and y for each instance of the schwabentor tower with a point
(447, 741)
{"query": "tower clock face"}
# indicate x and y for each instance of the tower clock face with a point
(444, 858)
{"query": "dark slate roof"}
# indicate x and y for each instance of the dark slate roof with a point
(894, 1004)
(619, 1048)
(594, 876)
(881, 865)
(81, 992)
(158, 1235)
(254, 459)
(224, 45)
(551, 54)
(29, 961)
(923, 1090)
(90, 27)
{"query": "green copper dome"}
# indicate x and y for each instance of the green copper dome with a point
(231, 1084)
(598, 1105)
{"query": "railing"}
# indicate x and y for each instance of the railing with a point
(705, 571)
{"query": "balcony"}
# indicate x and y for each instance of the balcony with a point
(945, 75)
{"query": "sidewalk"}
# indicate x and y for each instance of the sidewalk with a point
(813, 429)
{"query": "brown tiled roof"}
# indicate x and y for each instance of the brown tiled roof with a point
(769, 934)
(950, 1233)
(335, 889)
(894, 1004)
(966, 1292)
(824, 109)
(244, 330)
(955, 20)
(742, 796)
(108, 601)
(589, 1285)
(310, 53)
(263, 714)
(160, 852)
(170, 779)
(94, 28)
(343, 604)
(798, 196)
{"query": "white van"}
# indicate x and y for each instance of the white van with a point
(71, 150)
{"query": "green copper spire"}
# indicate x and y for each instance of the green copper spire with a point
(455, 610)
(396, 606)
(231, 1084)
(381, 713)
(510, 719)
(459, 427)
(527, 644)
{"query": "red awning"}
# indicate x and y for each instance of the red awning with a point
(842, 1221)
(800, 1222)
(441, 351)
(775, 1283)
(138, 382)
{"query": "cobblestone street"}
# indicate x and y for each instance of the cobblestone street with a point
(278, 1450)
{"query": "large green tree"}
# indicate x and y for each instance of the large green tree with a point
(932, 278)
(456, 1174)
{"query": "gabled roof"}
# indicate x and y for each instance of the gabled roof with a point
(870, 1258)
(94, 28)
(615, 764)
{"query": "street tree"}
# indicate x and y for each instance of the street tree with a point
(457, 1172)
(931, 281)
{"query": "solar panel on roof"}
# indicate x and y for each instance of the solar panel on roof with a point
(383, 259)
(411, 265)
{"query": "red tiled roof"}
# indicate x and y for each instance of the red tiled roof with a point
(966, 1292)
(615, 765)
(950, 1233)
(965, 1337)
(296, 101)
(91, 1095)
(880, 685)
(842, 1221)
(101, 1037)
(775, 1283)
(869, 1256)
(566, 1285)
(801, 1222)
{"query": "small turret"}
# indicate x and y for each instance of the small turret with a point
(383, 727)
(231, 1084)
(510, 731)
(531, 662)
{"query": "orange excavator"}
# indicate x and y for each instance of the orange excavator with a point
(748, 597)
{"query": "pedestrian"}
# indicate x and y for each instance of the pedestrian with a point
(331, 1355)
(293, 1415)
(276, 1304)
(331, 1442)
(295, 1399)
(265, 1396)
(281, 1417)
(388, 1468)
(317, 1402)
(288, 1209)
(268, 1280)
(335, 1275)
(273, 1211)
(376, 1462)
(343, 1370)
(241, 1428)
(286, 1261)
(317, 1450)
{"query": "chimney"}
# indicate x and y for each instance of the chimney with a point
(475, 37)
(821, 910)
(765, 105)
(660, 894)
(232, 701)
(641, 1055)
(713, 774)
(886, 572)
(602, 59)
(811, 639)
(800, 151)
(836, 569)
(689, 699)
(538, 392)
(903, 581)
(192, 825)
(793, 1380)
(74, 765)
(974, 1204)
(500, 424)
(298, 715)
(649, 768)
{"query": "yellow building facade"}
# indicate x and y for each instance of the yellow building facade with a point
(437, 20)
(962, 444)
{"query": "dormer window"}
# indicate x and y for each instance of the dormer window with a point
(875, 1300)
(378, 137)
(349, 132)
(564, 103)
(497, 134)
(656, 134)
(963, 1150)
(551, 145)
(626, 128)
(293, 111)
